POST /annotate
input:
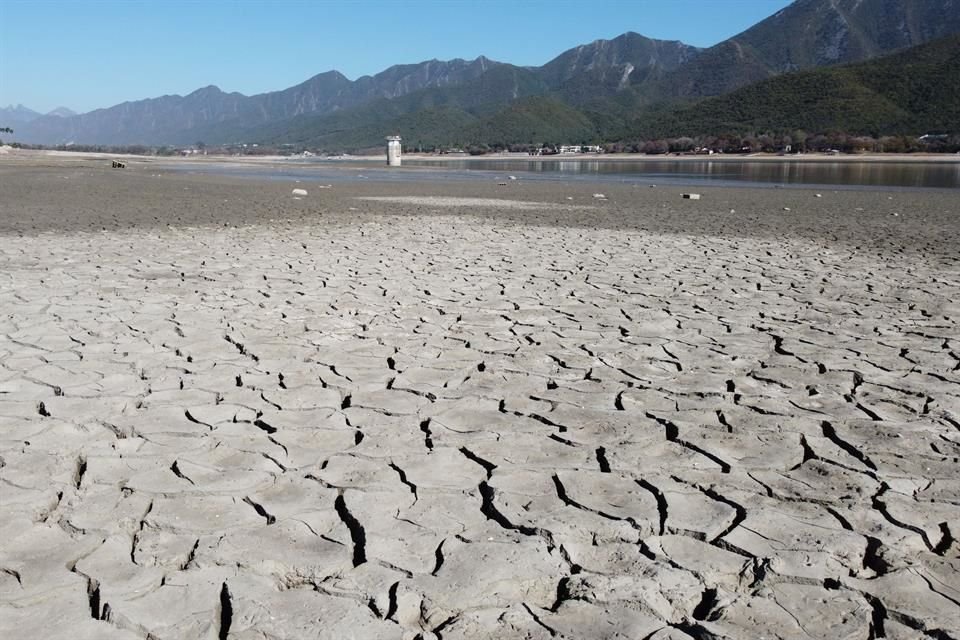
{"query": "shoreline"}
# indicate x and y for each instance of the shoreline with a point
(948, 158)
(170, 193)
(920, 158)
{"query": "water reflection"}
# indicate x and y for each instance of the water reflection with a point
(843, 174)
(944, 174)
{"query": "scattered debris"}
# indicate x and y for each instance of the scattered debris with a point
(599, 196)
(691, 196)
(299, 192)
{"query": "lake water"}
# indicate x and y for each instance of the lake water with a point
(846, 174)
(943, 175)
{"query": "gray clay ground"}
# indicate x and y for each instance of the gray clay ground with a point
(457, 426)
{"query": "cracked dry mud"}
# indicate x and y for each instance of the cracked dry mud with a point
(456, 426)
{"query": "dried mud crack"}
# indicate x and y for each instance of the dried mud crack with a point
(438, 417)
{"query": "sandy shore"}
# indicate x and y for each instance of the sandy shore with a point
(445, 410)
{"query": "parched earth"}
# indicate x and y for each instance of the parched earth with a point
(446, 425)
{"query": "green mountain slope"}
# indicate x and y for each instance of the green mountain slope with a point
(435, 114)
(441, 126)
(807, 34)
(536, 120)
(912, 92)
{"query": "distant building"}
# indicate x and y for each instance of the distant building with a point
(577, 148)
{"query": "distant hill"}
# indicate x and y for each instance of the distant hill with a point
(175, 119)
(422, 111)
(912, 92)
(535, 119)
(15, 115)
(62, 112)
(606, 67)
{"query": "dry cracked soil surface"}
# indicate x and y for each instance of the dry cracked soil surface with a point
(383, 411)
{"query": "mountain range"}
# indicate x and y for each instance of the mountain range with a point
(607, 89)
(19, 114)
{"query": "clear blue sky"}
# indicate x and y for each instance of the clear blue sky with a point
(87, 55)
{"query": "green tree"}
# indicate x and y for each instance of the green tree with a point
(800, 138)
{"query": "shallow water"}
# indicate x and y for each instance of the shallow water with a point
(942, 175)
(843, 174)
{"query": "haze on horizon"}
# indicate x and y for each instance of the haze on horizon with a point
(86, 56)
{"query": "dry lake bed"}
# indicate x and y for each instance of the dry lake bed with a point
(470, 410)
